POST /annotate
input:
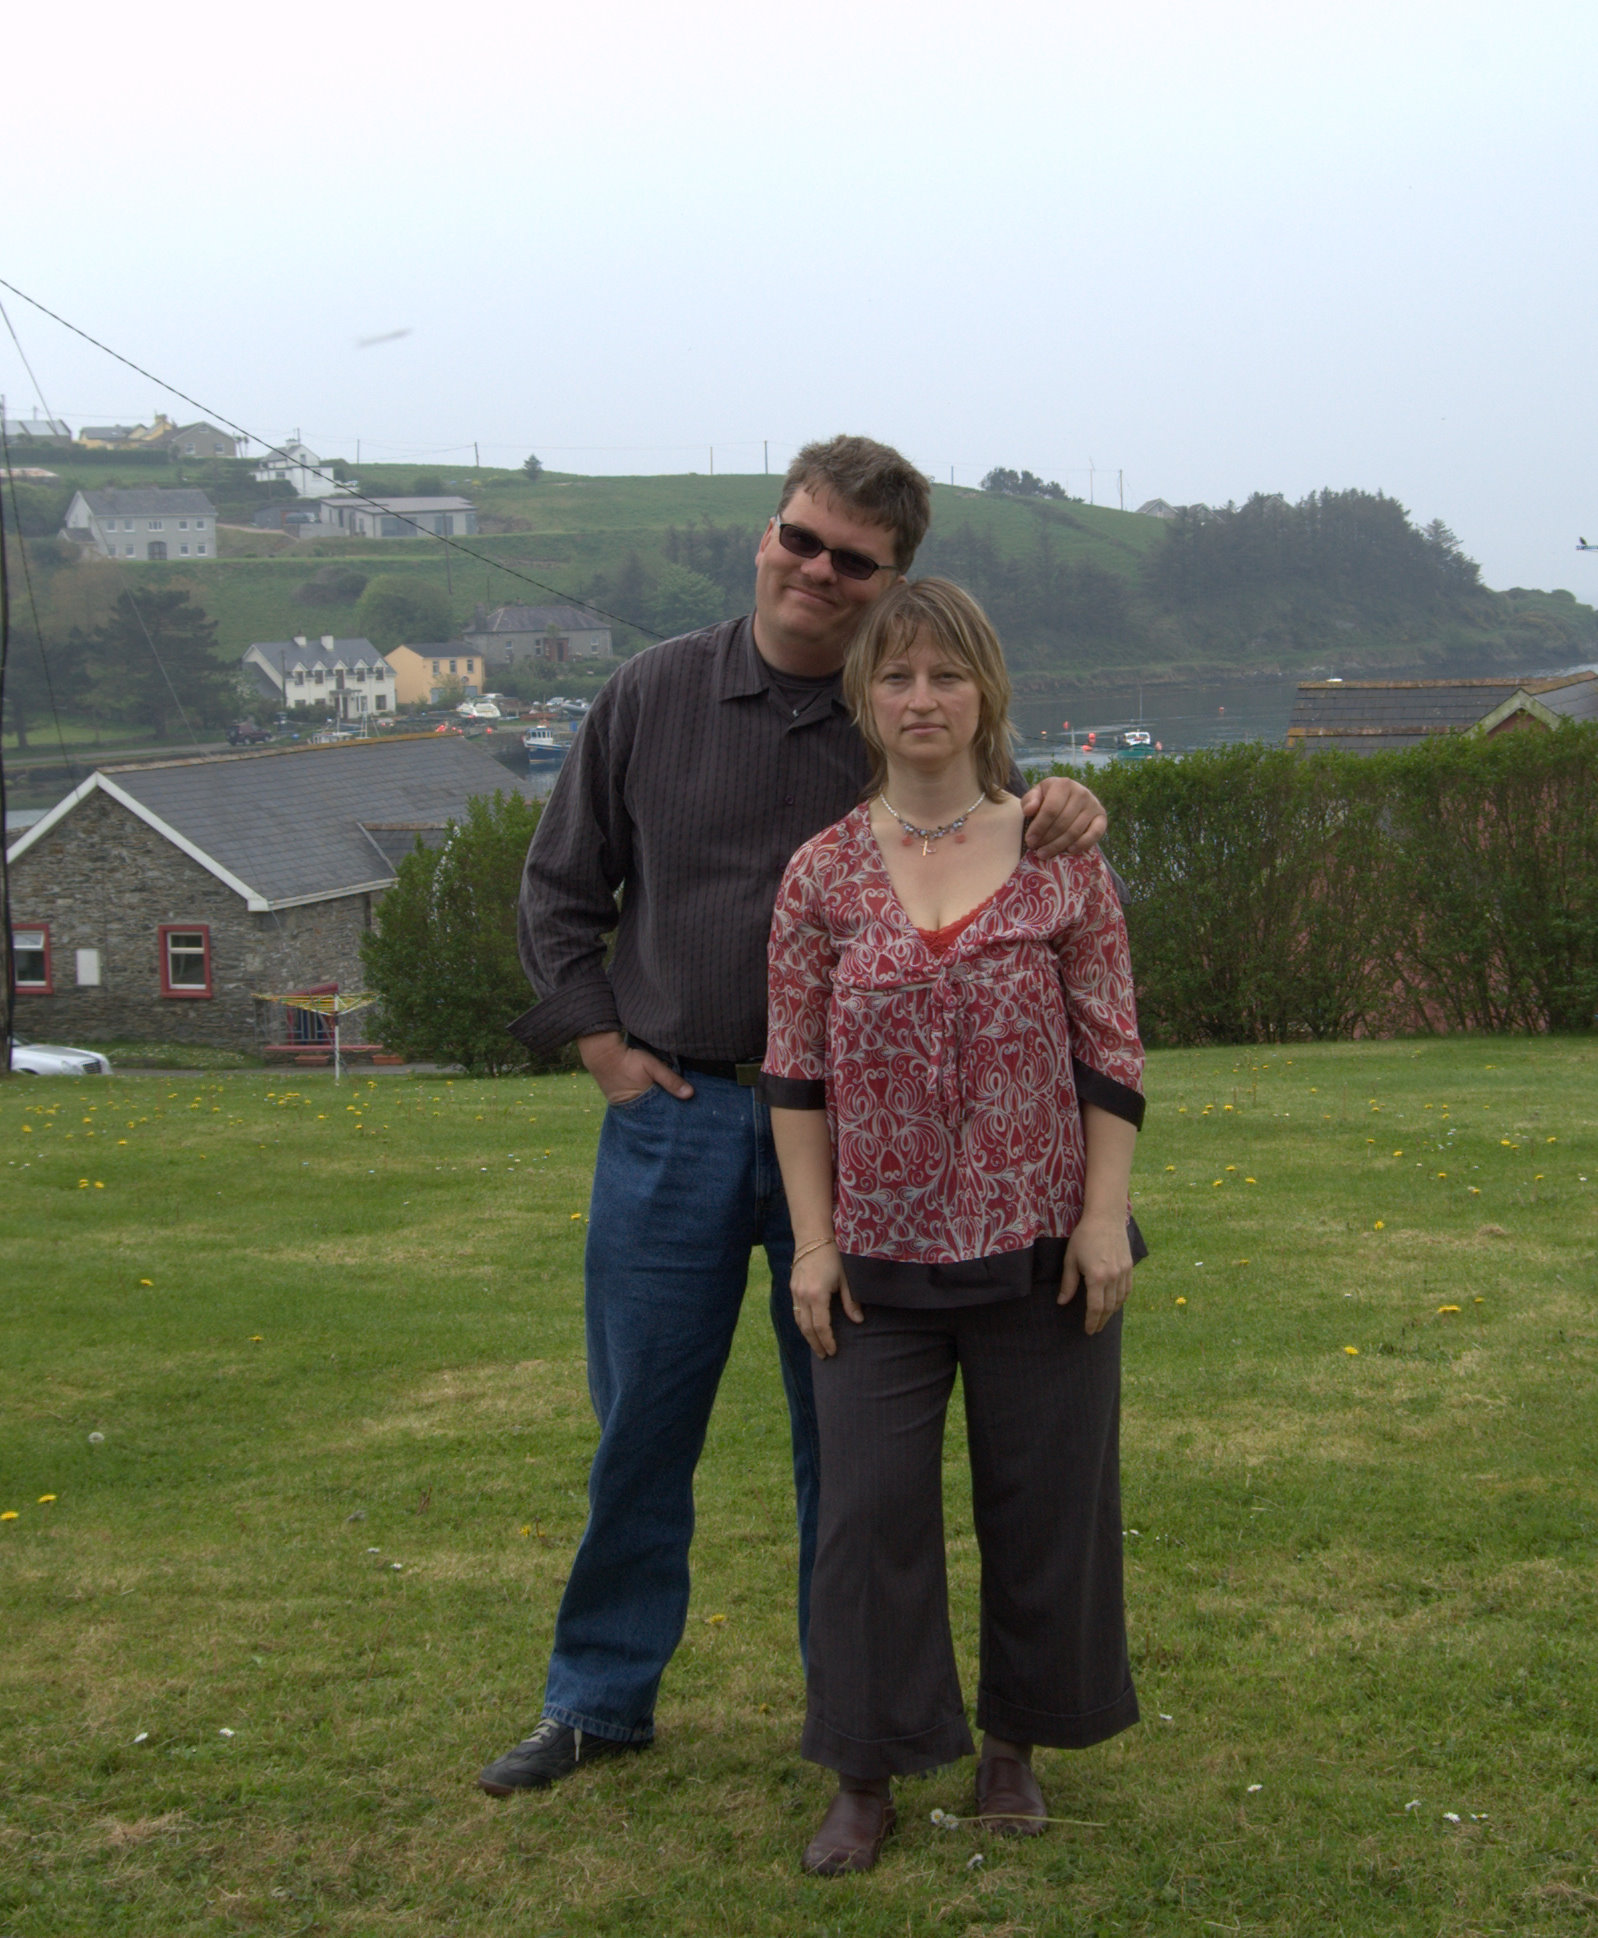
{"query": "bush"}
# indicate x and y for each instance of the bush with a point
(1280, 896)
(332, 585)
(442, 960)
(427, 484)
(397, 611)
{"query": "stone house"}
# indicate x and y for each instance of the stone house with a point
(165, 901)
(546, 635)
(143, 523)
(346, 677)
(1367, 716)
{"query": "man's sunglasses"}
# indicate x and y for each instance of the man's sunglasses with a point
(805, 545)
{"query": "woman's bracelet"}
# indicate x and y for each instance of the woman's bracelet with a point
(816, 1245)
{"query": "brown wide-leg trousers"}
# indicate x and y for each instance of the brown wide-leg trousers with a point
(1042, 1403)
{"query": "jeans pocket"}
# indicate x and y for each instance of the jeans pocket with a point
(636, 1103)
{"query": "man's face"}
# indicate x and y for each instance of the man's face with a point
(805, 614)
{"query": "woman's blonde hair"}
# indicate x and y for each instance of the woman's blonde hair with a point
(960, 628)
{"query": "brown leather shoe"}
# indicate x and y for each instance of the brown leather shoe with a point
(856, 1826)
(1008, 1798)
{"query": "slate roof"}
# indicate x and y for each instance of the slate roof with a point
(25, 427)
(539, 619)
(1363, 716)
(147, 500)
(353, 652)
(291, 825)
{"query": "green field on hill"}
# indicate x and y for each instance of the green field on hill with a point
(1080, 593)
(293, 1466)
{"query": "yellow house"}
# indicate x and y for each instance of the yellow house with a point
(421, 673)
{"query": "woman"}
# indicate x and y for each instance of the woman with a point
(954, 1073)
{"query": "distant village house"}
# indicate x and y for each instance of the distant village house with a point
(181, 440)
(550, 635)
(24, 431)
(423, 675)
(297, 465)
(143, 524)
(397, 517)
(167, 901)
(1368, 716)
(346, 677)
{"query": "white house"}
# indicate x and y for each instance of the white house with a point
(297, 464)
(398, 517)
(348, 677)
(146, 523)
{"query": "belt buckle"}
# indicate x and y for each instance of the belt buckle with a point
(748, 1074)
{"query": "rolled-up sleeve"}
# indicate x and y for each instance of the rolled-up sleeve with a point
(580, 855)
(1096, 973)
(800, 959)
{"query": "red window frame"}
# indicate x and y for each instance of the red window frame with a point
(47, 987)
(181, 991)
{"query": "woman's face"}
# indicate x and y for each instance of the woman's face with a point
(925, 704)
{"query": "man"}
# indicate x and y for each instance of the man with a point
(703, 764)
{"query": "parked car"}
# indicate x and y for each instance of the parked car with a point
(55, 1060)
(245, 733)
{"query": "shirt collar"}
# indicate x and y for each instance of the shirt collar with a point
(744, 674)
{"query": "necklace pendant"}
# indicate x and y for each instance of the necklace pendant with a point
(959, 840)
(906, 841)
(926, 844)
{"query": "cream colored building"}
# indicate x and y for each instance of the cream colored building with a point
(422, 672)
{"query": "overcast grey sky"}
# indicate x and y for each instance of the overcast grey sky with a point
(1222, 247)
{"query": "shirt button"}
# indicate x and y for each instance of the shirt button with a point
(788, 800)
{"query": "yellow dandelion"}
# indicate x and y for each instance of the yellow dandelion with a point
(576, 1217)
(1231, 1167)
(1352, 1351)
(1217, 1182)
(9, 1515)
(525, 1531)
(83, 1184)
(1398, 1154)
(147, 1281)
(1442, 1174)
(1380, 1225)
(1506, 1143)
(46, 1499)
(1551, 1140)
(714, 1621)
(1448, 1308)
(1251, 1180)
(1475, 1190)
(1478, 1300)
(1181, 1301)
(98, 1185)
(255, 1339)
(1170, 1167)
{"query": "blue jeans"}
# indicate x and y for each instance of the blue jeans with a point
(683, 1192)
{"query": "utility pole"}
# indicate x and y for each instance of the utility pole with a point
(765, 447)
(1120, 485)
(951, 476)
(1090, 481)
(712, 460)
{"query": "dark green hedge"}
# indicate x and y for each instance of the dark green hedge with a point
(1280, 896)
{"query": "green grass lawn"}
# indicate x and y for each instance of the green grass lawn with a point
(271, 1623)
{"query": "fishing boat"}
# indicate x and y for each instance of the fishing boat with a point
(543, 749)
(1134, 744)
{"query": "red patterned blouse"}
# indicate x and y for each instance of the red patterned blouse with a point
(951, 1077)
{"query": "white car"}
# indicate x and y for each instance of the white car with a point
(54, 1060)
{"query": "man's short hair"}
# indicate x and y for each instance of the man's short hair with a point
(868, 478)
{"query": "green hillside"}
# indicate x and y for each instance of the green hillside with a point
(1078, 592)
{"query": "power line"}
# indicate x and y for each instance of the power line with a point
(208, 411)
